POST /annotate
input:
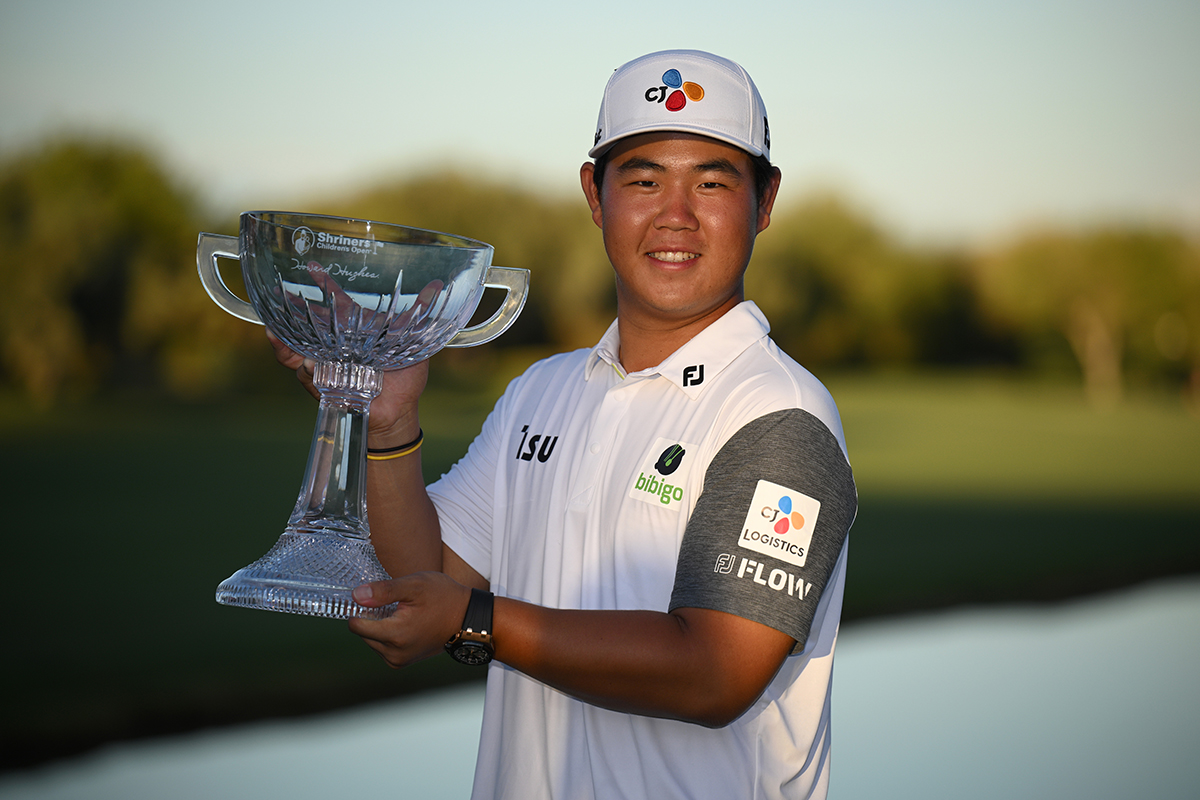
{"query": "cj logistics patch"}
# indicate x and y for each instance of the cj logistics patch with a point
(780, 523)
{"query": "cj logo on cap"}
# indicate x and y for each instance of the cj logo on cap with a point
(675, 91)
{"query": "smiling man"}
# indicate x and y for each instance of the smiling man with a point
(679, 213)
(647, 540)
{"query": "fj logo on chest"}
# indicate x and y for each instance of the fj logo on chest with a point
(539, 444)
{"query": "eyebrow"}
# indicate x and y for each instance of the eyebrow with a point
(722, 165)
(637, 163)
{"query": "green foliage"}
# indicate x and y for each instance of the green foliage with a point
(100, 286)
(839, 291)
(571, 298)
(1122, 298)
(102, 290)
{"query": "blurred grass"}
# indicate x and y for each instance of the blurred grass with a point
(980, 489)
(982, 436)
(123, 517)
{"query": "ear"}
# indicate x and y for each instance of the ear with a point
(768, 200)
(587, 179)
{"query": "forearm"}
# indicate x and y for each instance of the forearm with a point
(404, 523)
(693, 665)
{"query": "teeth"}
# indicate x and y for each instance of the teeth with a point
(673, 256)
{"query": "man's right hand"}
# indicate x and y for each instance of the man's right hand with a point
(393, 413)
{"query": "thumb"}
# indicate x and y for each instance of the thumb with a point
(376, 593)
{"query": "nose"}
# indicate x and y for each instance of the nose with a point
(677, 212)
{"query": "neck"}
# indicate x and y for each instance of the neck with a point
(648, 341)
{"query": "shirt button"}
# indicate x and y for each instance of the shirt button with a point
(595, 448)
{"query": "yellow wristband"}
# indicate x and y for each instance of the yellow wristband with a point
(388, 453)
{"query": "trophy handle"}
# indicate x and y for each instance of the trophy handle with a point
(209, 248)
(516, 283)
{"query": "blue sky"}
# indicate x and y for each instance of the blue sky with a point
(944, 120)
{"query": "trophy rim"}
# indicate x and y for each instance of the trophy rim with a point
(468, 242)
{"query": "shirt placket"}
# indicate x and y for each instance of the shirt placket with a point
(607, 424)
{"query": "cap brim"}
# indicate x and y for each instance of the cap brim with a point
(604, 145)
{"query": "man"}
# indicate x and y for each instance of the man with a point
(648, 535)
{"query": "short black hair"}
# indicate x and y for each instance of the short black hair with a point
(763, 171)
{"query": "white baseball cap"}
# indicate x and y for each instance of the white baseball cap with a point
(689, 91)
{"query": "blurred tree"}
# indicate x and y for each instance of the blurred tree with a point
(1164, 336)
(102, 290)
(100, 283)
(838, 290)
(1120, 298)
(571, 298)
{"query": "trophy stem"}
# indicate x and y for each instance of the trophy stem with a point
(326, 549)
(333, 494)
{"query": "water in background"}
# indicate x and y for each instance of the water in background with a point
(1097, 699)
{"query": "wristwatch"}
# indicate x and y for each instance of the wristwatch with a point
(473, 644)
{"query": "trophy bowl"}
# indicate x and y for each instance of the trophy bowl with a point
(358, 297)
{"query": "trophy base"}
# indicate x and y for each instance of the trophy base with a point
(308, 573)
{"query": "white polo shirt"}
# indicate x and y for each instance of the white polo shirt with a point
(717, 479)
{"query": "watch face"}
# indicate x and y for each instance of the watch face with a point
(472, 653)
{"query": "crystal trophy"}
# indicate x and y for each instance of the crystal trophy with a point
(358, 297)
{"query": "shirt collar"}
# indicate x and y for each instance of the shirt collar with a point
(694, 366)
(606, 353)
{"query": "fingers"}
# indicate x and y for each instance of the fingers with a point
(418, 589)
(429, 611)
(334, 293)
(304, 374)
(303, 367)
(284, 354)
(426, 296)
(365, 595)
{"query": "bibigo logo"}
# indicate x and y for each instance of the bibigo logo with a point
(664, 474)
(780, 523)
(675, 91)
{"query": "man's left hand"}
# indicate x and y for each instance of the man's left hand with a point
(430, 610)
